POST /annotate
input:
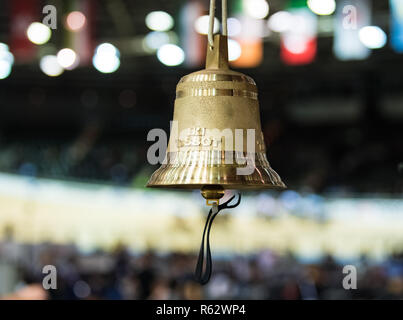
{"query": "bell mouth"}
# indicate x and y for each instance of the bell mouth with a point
(246, 187)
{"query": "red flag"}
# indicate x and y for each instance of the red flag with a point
(299, 43)
(23, 13)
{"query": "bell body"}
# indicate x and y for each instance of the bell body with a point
(216, 140)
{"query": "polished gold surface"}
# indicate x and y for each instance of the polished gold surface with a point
(212, 105)
(213, 92)
(194, 173)
(214, 77)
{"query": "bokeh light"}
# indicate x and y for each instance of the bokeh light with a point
(170, 55)
(295, 44)
(7, 56)
(156, 39)
(373, 37)
(4, 47)
(75, 20)
(5, 69)
(159, 21)
(38, 33)
(81, 289)
(106, 58)
(234, 27)
(6, 61)
(322, 7)
(50, 66)
(67, 58)
(107, 49)
(202, 24)
(280, 21)
(258, 9)
(234, 50)
(106, 64)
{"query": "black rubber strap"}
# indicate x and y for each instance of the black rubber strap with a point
(199, 276)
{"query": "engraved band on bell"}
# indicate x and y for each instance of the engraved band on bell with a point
(214, 92)
(214, 77)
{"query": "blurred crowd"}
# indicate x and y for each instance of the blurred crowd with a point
(120, 274)
(115, 163)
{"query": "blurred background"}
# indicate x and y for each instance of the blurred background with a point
(81, 84)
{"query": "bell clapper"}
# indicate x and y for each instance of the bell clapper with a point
(212, 194)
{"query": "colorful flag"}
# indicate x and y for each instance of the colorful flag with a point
(396, 7)
(23, 13)
(249, 38)
(82, 41)
(299, 42)
(351, 16)
(193, 43)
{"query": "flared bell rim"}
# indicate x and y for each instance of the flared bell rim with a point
(191, 176)
(225, 186)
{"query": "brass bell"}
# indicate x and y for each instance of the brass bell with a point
(212, 107)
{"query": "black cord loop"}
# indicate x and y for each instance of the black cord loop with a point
(199, 276)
